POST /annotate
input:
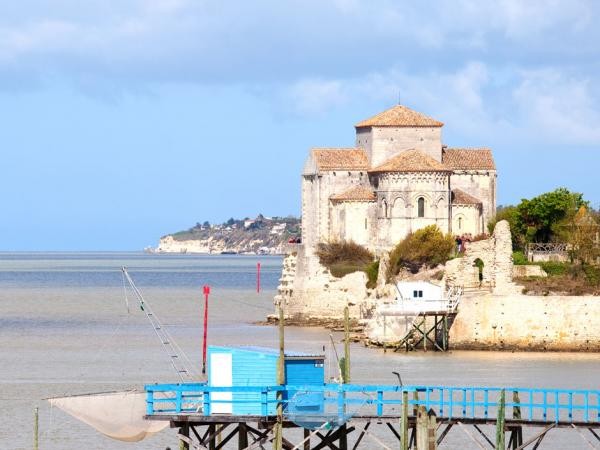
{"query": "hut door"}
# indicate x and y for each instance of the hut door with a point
(221, 374)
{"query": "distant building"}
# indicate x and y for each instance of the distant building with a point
(398, 178)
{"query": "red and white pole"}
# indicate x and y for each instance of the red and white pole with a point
(257, 277)
(206, 290)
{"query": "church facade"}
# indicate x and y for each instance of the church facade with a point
(398, 178)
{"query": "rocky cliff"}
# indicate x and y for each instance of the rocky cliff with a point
(263, 235)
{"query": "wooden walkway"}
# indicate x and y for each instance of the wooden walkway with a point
(344, 416)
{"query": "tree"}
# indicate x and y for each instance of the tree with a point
(206, 224)
(581, 231)
(540, 218)
(230, 222)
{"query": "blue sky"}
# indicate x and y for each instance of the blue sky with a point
(126, 120)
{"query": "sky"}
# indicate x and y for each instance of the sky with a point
(125, 120)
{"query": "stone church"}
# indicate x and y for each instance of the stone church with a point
(398, 178)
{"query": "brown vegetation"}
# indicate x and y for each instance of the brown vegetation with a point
(427, 247)
(343, 258)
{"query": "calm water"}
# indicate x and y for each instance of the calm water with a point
(65, 329)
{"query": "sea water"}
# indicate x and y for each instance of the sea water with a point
(67, 326)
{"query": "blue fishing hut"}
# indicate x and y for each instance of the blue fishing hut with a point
(257, 366)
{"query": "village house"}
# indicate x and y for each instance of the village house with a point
(398, 178)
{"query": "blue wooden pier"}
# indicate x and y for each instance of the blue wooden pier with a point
(331, 415)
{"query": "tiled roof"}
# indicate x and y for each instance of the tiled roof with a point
(468, 159)
(355, 194)
(462, 198)
(399, 116)
(411, 161)
(340, 158)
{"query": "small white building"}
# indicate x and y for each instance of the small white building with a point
(419, 291)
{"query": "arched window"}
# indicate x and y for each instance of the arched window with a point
(421, 207)
(460, 223)
(384, 209)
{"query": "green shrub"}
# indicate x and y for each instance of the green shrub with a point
(592, 275)
(519, 259)
(341, 269)
(425, 247)
(554, 268)
(372, 270)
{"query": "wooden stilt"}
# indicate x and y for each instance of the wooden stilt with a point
(306, 439)
(184, 430)
(343, 440)
(36, 428)
(212, 443)
(242, 436)
(404, 422)
(422, 422)
(278, 441)
(346, 345)
(500, 438)
(517, 432)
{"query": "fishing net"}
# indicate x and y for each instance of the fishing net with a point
(118, 415)
(318, 409)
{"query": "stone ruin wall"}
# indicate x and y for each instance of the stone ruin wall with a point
(494, 316)
(308, 290)
(496, 255)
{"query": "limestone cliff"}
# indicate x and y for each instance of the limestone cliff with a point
(249, 236)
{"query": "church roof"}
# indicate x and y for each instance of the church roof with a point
(399, 116)
(340, 158)
(460, 197)
(468, 159)
(410, 161)
(355, 194)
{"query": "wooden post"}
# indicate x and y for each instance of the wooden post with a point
(278, 441)
(500, 438)
(424, 333)
(404, 422)
(422, 424)
(517, 433)
(346, 345)
(242, 436)
(212, 444)
(185, 431)
(36, 423)
(343, 440)
(445, 333)
(431, 430)
(306, 439)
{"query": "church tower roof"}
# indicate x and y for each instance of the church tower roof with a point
(410, 161)
(399, 116)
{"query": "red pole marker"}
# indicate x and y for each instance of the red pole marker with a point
(206, 290)
(257, 277)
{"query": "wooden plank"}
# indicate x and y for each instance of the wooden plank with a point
(538, 436)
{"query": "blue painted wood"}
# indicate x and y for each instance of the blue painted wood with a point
(453, 402)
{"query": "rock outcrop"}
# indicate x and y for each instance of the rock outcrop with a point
(257, 236)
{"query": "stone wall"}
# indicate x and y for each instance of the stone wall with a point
(381, 143)
(480, 184)
(522, 322)
(496, 255)
(307, 289)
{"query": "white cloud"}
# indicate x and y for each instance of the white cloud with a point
(560, 107)
(314, 96)
(477, 102)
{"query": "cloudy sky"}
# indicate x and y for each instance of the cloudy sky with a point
(125, 120)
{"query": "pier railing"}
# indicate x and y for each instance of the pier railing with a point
(348, 400)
